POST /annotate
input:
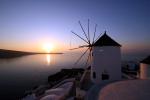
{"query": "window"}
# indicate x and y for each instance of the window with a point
(94, 75)
(105, 75)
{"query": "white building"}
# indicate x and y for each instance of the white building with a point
(145, 68)
(106, 60)
(126, 90)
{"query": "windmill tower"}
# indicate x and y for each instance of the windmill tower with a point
(104, 56)
(106, 60)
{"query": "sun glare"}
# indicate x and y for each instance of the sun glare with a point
(48, 47)
(48, 58)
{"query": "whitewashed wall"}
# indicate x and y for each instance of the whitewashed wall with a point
(106, 58)
(144, 71)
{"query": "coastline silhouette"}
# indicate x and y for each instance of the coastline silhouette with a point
(6, 54)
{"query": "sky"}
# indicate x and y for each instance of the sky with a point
(29, 24)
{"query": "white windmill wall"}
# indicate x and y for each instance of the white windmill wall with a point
(144, 71)
(106, 59)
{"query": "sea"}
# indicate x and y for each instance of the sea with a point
(21, 74)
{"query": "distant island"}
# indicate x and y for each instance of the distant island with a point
(13, 53)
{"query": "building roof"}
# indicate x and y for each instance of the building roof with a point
(126, 90)
(105, 40)
(146, 60)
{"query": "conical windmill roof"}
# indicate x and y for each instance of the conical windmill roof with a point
(105, 40)
(146, 60)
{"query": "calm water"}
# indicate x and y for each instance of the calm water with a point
(20, 74)
(23, 73)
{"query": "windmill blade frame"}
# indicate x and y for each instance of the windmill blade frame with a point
(88, 32)
(76, 48)
(81, 57)
(79, 37)
(83, 31)
(87, 59)
(90, 53)
(83, 46)
(94, 34)
(98, 37)
(90, 41)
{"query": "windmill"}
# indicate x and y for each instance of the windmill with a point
(87, 39)
(105, 53)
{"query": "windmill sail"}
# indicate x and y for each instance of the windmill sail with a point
(81, 56)
(83, 31)
(79, 37)
(88, 42)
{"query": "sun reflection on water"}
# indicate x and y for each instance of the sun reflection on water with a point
(48, 58)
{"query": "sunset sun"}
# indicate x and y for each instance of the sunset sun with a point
(48, 47)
